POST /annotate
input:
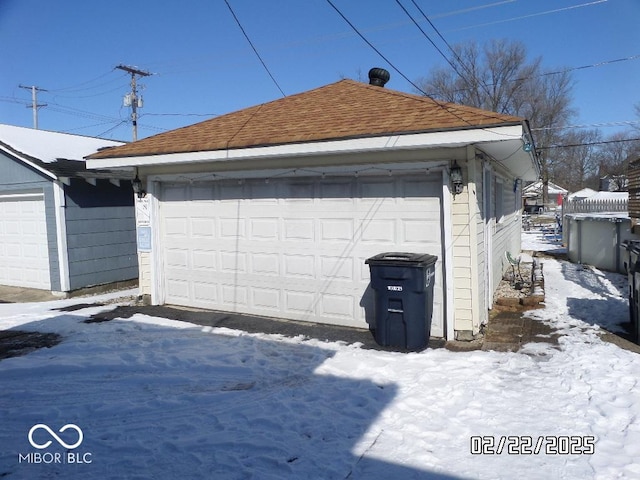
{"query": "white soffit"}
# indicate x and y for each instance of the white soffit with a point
(453, 138)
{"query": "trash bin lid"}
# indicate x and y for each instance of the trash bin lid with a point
(403, 259)
(633, 246)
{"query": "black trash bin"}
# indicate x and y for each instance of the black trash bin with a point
(403, 286)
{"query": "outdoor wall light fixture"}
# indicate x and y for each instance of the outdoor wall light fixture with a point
(517, 183)
(527, 145)
(136, 183)
(455, 173)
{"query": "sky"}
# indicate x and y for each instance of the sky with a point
(202, 65)
(148, 397)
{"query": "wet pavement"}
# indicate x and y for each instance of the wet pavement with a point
(506, 331)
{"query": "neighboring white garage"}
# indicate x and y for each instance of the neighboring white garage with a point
(23, 241)
(295, 247)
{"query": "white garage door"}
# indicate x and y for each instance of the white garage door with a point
(24, 256)
(294, 248)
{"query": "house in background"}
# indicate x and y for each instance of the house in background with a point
(614, 183)
(533, 197)
(581, 194)
(273, 210)
(62, 228)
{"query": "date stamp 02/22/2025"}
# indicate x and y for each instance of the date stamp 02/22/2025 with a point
(528, 445)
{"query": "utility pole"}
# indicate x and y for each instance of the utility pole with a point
(132, 99)
(34, 102)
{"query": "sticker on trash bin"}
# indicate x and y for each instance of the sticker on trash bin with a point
(394, 288)
(430, 275)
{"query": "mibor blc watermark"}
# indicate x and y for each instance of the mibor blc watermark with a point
(41, 442)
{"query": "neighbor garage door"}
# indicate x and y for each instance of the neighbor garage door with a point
(294, 248)
(24, 258)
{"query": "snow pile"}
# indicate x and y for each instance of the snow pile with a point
(159, 399)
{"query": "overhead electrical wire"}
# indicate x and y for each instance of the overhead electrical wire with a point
(457, 57)
(76, 86)
(523, 17)
(442, 105)
(364, 39)
(557, 72)
(587, 144)
(607, 124)
(426, 35)
(254, 48)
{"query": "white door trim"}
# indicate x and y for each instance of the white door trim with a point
(447, 253)
(59, 201)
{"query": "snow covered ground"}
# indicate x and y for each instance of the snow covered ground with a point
(159, 399)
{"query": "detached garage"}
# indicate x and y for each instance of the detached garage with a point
(274, 209)
(62, 228)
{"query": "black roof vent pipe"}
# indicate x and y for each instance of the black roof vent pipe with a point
(378, 77)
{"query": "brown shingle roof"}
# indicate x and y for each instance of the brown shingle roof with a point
(341, 110)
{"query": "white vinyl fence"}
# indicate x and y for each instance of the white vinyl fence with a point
(594, 206)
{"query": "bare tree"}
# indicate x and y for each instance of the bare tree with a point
(578, 159)
(498, 77)
(615, 154)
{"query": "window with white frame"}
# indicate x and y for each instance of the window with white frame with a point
(498, 207)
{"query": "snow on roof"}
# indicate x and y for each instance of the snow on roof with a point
(48, 147)
(584, 193)
(610, 196)
(536, 189)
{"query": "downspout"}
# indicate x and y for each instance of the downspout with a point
(61, 235)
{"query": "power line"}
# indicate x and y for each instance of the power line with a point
(179, 115)
(471, 9)
(254, 48)
(78, 85)
(437, 103)
(426, 35)
(353, 27)
(457, 57)
(604, 124)
(557, 72)
(523, 17)
(120, 86)
(587, 144)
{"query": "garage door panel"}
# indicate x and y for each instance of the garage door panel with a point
(298, 229)
(337, 306)
(295, 248)
(336, 230)
(265, 264)
(234, 297)
(299, 265)
(232, 228)
(234, 262)
(379, 231)
(337, 268)
(24, 252)
(205, 292)
(265, 299)
(264, 229)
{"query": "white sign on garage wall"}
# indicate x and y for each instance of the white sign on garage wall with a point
(143, 222)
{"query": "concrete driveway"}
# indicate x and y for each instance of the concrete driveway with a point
(23, 295)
